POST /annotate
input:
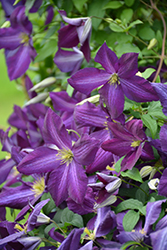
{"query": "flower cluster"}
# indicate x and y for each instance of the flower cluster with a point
(90, 160)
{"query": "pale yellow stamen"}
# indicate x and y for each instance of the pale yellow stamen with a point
(65, 155)
(25, 38)
(114, 79)
(135, 144)
(38, 186)
(91, 235)
(20, 228)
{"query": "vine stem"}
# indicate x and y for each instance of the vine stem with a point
(135, 186)
(163, 41)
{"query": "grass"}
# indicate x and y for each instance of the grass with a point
(9, 95)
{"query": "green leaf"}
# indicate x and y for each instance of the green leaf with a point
(146, 33)
(79, 4)
(150, 123)
(115, 27)
(128, 244)
(129, 2)
(133, 24)
(147, 73)
(29, 4)
(140, 195)
(132, 174)
(113, 5)
(95, 8)
(68, 216)
(155, 110)
(48, 49)
(130, 220)
(16, 2)
(50, 205)
(126, 15)
(126, 48)
(129, 204)
(117, 165)
(49, 227)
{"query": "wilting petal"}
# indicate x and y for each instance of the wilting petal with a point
(41, 160)
(77, 182)
(85, 80)
(68, 61)
(113, 97)
(54, 131)
(107, 58)
(138, 89)
(58, 183)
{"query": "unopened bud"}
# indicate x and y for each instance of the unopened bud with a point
(152, 43)
(153, 184)
(39, 98)
(6, 24)
(145, 171)
(93, 99)
(45, 83)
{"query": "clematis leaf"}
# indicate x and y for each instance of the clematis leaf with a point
(130, 220)
(74, 219)
(132, 174)
(117, 165)
(150, 123)
(129, 204)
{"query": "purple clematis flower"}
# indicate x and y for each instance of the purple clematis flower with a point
(127, 140)
(17, 42)
(77, 31)
(62, 159)
(118, 79)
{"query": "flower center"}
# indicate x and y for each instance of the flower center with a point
(114, 79)
(135, 144)
(38, 186)
(65, 155)
(25, 38)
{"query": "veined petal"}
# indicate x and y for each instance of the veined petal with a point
(41, 160)
(58, 183)
(85, 149)
(77, 182)
(113, 97)
(138, 89)
(9, 38)
(117, 146)
(107, 58)
(62, 101)
(85, 80)
(161, 90)
(68, 61)
(159, 239)
(68, 37)
(54, 131)
(128, 65)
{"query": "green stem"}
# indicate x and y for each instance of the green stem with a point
(48, 241)
(135, 186)
(59, 227)
(71, 130)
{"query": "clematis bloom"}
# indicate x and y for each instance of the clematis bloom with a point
(118, 79)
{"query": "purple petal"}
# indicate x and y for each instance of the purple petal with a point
(161, 90)
(163, 136)
(113, 97)
(85, 149)
(85, 80)
(62, 101)
(159, 239)
(138, 89)
(18, 61)
(72, 242)
(85, 48)
(41, 160)
(117, 146)
(68, 61)
(9, 38)
(162, 184)
(77, 182)
(58, 183)
(128, 65)
(68, 37)
(107, 58)
(54, 131)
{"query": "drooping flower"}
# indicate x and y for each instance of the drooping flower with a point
(118, 79)
(62, 159)
(17, 42)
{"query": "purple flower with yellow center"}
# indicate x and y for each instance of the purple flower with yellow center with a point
(127, 140)
(63, 159)
(118, 79)
(17, 42)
